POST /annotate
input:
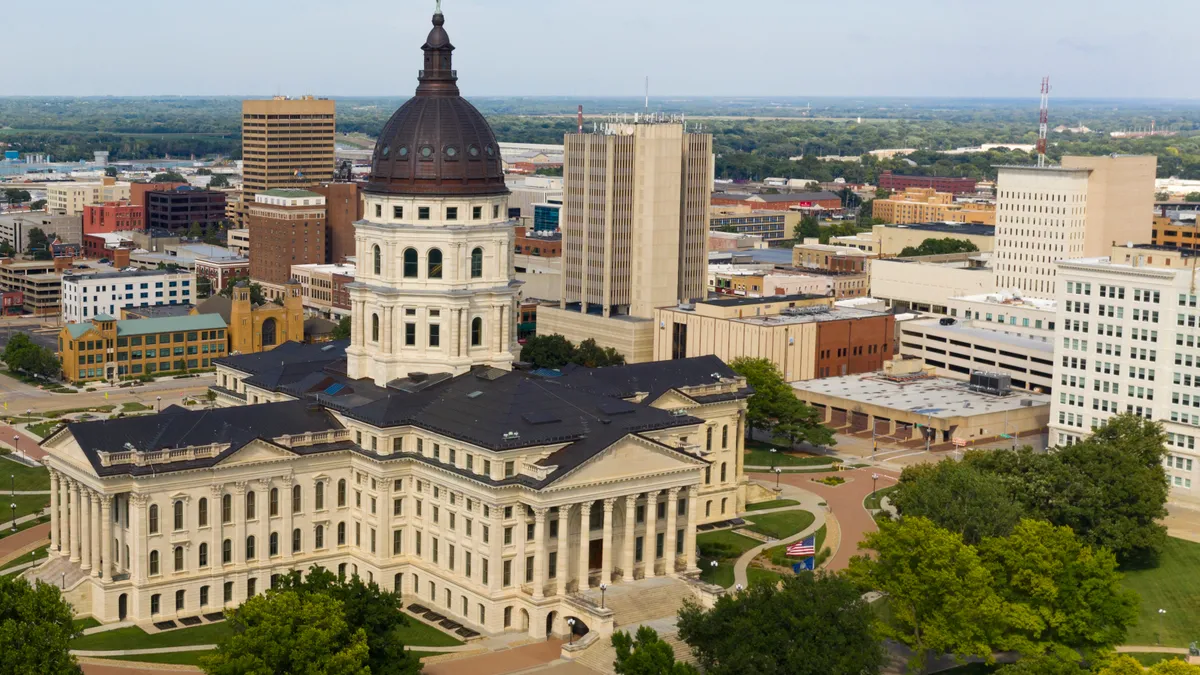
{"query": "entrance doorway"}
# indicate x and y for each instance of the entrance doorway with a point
(595, 554)
(550, 623)
(122, 607)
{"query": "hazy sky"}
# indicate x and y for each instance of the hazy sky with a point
(1090, 48)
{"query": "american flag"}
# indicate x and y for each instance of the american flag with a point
(804, 547)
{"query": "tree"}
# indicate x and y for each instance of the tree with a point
(1162, 196)
(959, 497)
(775, 409)
(366, 607)
(204, 172)
(110, 171)
(1192, 197)
(808, 226)
(37, 244)
(548, 351)
(203, 286)
(940, 595)
(24, 355)
(219, 180)
(933, 246)
(256, 294)
(1127, 665)
(1062, 596)
(168, 177)
(35, 629)
(809, 624)
(591, 355)
(37, 205)
(6, 249)
(1110, 488)
(1045, 665)
(16, 196)
(865, 211)
(342, 330)
(289, 632)
(646, 654)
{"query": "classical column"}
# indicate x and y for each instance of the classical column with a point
(628, 541)
(97, 524)
(606, 558)
(539, 552)
(75, 520)
(262, 510)
(289, 522)
(106, 565)
(649, 543)
(585, 532)
(563, 567)
(464, 332)
(54, 507)
(216, 529)
(689, 540)
(669, 544)
(239, 522)
(137, 523)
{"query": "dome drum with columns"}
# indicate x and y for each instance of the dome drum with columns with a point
(435, 288)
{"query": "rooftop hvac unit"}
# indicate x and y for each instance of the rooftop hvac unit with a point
(997, 384)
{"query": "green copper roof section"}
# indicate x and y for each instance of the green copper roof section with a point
(169, 324)
(78, 329)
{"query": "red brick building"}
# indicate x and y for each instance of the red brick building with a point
(138, 191)
(545, 246)
(779, 202)
(287, 227)
(899, 183)
(341, 295)
(114, 217)
(343, 207)
(11, 302)
(859, 345)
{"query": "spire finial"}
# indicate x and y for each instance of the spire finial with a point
(438, 8)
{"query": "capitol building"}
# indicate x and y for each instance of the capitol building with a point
(418, 455)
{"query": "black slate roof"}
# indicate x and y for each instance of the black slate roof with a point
(654, 378)
(178, 427)
(316, 356)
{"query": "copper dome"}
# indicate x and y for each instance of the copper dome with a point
(437, 143)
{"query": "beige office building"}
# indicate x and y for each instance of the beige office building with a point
(70, 198)
(1076, 210)
(286, 143)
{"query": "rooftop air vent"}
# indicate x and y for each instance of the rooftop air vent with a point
(511, 436)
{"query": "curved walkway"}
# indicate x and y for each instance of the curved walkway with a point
(808, 502)
(845, 502)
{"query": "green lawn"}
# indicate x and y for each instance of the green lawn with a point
(136, 638)
(5, 531)
(134, 406)
(28, 478)
(778, 554)
(26, 504)
(20, 560)
(772, 504)
(871, 503)
(781, 524)
(173, 658)
(424, 635)
(1173, 586)
(757, 575)
(84, 624)
(763, 457)
(1151, 658)
(70, 411)
(732, 546)
(42, 429)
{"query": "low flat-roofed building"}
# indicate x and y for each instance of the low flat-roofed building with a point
(39, 281)
(905, 402)
(927, 283)
(734, 241)
(802, 334)
(956, 349)
(893, 239)
(1007, 312)
(925, 205)
(238, 241)
(318, 288)
(741, 219)
(765, 281)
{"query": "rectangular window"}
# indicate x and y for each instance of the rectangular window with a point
(451, 213)
(397, 542)
(476, 212)
(435, 335)
(410, 335)
(397, 212)
(422, 213)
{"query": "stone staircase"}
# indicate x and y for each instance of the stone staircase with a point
(600, 656)
(53, 570)
(645, 600)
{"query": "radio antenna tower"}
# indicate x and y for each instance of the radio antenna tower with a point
(1043, 121)
(647, 93)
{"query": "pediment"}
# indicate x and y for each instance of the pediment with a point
(672, 400)
(256, 452)
(64, 448)
(629, 458)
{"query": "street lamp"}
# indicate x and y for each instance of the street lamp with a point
(738, 588)
(571, 628)
(16, 444)
(778, 472)
(159, 403)
(603, 587)
(13, 506)
(1158, 635)
(12, 477)
(772, 458)
(874, 477)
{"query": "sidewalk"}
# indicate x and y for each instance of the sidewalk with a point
(23, 542)
(808, 502)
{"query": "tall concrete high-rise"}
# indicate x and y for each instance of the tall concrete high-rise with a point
(1079, 209)
(286, 143)
(635, 231)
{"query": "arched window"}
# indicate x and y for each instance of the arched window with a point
(374, 328)
(177, 508)
(273, 545)
(226, 552)
(320, 496)
(250, 547)
(296, 540)
(295, 499)
(250, 505)
(476, 263)
(341, 534)
(273, 502)
(319, 539)
(153, 563)
(202, 512)
(435, 263)
(269, 331)
(476, 331)
(378, 256)
(410, 263)
(722, 472)
(725, 436)
(226, 509)
(708, 439)
(342, 492)
(203, 555)
(178, 558)
(153, 518)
